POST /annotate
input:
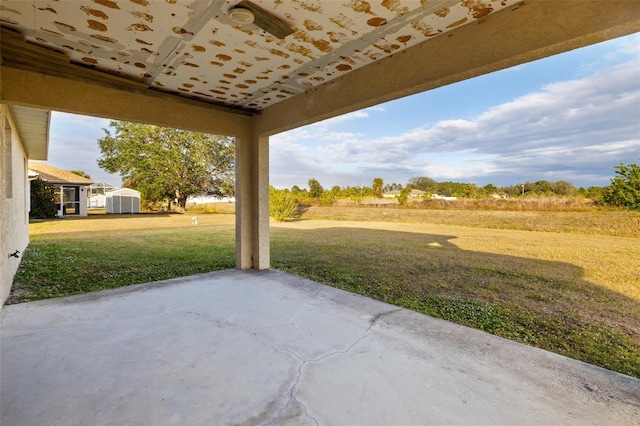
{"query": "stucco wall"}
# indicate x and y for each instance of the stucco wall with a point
(14, 201)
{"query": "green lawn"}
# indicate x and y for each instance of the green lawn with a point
(574, 293)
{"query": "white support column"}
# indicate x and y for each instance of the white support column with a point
(252, 202)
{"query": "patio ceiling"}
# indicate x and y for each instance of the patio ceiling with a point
(138, 59)
(192, 49)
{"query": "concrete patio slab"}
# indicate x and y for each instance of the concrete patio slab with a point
(248, 347)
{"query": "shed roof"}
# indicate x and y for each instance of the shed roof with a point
(53, 174)
(123, 191)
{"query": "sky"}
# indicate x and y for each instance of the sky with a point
(570, 117)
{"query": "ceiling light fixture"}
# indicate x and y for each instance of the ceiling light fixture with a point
(241, 15)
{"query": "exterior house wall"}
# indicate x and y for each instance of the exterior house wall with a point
(14, 201)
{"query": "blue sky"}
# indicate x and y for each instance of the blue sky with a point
(569, 117)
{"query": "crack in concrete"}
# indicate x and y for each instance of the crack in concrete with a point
(222, 322)
(293, 391)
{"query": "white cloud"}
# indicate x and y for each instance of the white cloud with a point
(575, 129)
(74, 144)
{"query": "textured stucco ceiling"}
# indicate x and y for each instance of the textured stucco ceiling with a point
(191, 48)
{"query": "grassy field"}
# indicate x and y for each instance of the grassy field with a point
(563, 281)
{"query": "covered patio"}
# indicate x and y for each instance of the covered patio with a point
(254, 346)
(265, 347)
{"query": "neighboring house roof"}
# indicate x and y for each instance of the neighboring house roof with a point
(52, 174)
(103, 185)
(33, 127)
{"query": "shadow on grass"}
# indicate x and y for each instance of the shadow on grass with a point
(541, 303)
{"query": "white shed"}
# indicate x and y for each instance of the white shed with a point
(123, 200)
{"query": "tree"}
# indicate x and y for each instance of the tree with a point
(624, 190)
(315, 189)
(377, 185)
(423, 183)
(563, 188)
(164, 163)
(43, 204)
(490, 189)
(392, 187)
(80, 173)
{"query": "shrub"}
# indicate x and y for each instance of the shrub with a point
(282, 204)
(404, 196)
(43, 204)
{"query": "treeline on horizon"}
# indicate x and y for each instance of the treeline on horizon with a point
(448, 189)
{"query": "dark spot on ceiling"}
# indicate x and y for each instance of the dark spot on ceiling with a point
(97, 26)
(360, 6)
(376, 22)
(280, 53)
(94, 12)
(63, 25)
(457, 23)
(107, 3)
(139, 27)
(142, 15)
(180, 31)
(442, 12)
(312, 26)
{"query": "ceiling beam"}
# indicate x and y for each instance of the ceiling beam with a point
(38, 90)
(523, 33)
(37, 77)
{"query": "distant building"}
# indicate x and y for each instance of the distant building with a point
(97, 195)
(397, 192)
(442, 197)
(72, 189)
